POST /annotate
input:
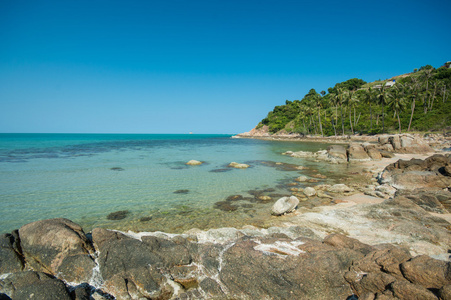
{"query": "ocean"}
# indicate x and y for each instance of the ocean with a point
(144, 179)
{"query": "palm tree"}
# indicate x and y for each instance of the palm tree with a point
(318, 103)
(368, 98)
(382, 99)
(348, 102)
(340, 101)
(396, 101)
(414, 87)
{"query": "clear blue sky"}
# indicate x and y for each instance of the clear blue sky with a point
(174, 66)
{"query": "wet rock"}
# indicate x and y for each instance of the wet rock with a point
(225, 206)
(34, 285)
(238, 166)
(309, 191)
(194, 162)
(134, 269)
(57, 245)
(285, 205)
(145, 219)
(11, 259)
(118, 215)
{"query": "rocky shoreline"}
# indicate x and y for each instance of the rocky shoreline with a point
(386, 240)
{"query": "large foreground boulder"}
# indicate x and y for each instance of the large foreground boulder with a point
(58, 246)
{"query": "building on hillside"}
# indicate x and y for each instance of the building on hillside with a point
(387, 84)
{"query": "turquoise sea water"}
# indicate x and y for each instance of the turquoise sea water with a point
(85, 177)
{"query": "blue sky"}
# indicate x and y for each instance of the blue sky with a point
(208, 66)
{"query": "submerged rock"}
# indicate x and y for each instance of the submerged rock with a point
(285, 205)
(118, 215)
(181, 192)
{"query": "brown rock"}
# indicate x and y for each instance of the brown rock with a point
(341, 241)
(357, 153)
(405, 290)
(445, 292)
(374, 154)
(426, 271)
(50, 244)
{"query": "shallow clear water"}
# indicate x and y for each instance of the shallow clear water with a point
(85, 177)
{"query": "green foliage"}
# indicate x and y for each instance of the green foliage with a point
(350, 85)
(360, 107)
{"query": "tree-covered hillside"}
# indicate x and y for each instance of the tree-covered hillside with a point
(418, 101)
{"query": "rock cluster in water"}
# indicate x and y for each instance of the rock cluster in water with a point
(357, 152)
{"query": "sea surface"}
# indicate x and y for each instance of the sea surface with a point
(86, 177)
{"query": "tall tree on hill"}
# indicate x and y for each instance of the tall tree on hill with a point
(396, 101)
(426, 75)
(368, 98)
(340, 100)
(349, 99)
(318, 100)
(414, 90)
(382, 99)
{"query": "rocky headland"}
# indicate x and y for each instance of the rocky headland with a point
(388, 238)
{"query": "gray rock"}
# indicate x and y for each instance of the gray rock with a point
(340, 188)
(34, 285)
(395, 141)
(337, 152)
(134, 269)
(10, 257)
(309, 191)
(285, 205)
